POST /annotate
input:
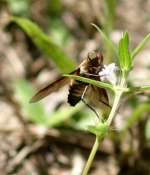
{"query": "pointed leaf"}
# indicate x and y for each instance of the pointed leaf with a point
(34, 112)
(90, 81)
(45, 43)
(63, 114)
(144, 88)
(139, 89)
(107, 40)
(124, 54)
(136, 116)
(140, 46)
(98, 130)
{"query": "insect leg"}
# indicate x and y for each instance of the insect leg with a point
(105, 104)
(83, 100)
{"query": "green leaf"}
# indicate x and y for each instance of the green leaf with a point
(45, 43)
(147, 130)
(135, 117)
(109, 15)
(124, 53)
(144, 88)
(99, 130)
(55, 7)
(107, 40)
(17, 7)
(63, 114)
(85, 118)
(139, 89)
(59, 32)
(140, 46)
(93, 82)
(35, 112)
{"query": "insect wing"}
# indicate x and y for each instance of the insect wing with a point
(55, 86)
(52, 87)
(98, 95)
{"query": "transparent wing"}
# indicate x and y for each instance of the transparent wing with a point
(52, 87)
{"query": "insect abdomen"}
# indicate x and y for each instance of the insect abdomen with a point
(75, 92)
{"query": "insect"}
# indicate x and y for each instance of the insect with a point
(78, 91)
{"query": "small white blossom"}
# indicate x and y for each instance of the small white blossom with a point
(108, 73)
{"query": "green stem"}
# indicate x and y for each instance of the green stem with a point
(98, 138)
(92, 155)
(118, 93)
(114, 107)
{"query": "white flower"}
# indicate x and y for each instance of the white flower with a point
(108, 73)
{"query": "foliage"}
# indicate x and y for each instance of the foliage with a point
(35, 112)
(124, 53)
(110, 12)
(90, 81)
(147, 130)
(100, 130)
(52, 50)
(107, 40)
(20, 8)
(140, 46)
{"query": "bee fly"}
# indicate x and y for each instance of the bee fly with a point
(89, 68)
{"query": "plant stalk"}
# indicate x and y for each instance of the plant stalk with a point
(118, 94)
(114, 107)
(92, 155)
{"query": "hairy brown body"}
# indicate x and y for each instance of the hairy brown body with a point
(89, 68)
